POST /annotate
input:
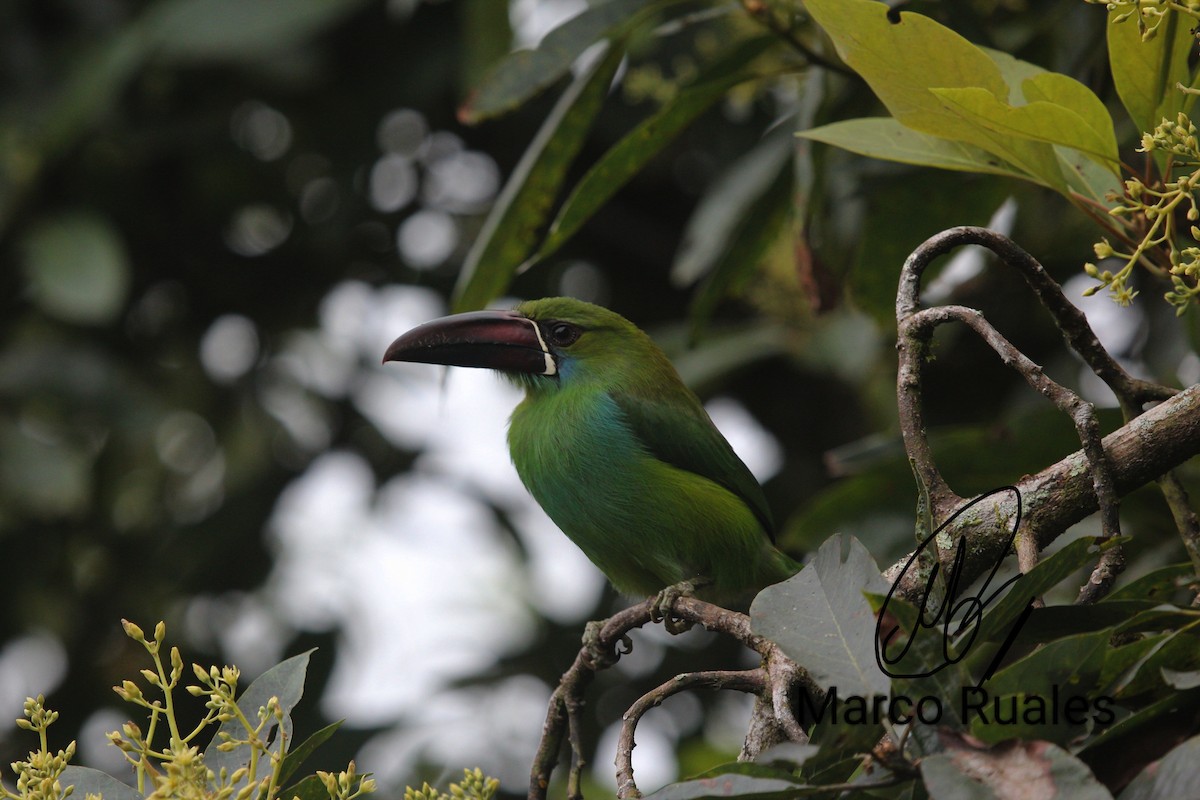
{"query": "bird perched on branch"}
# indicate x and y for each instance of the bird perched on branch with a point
(616, 449)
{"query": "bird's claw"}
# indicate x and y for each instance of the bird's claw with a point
(600, 655)
(661, 610)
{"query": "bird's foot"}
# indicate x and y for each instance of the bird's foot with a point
(664, 604)
(597, 652)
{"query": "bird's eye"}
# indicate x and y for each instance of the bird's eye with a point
(562, 334)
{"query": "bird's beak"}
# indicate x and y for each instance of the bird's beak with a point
(501, 340)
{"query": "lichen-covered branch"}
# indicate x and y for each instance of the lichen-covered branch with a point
(1062, 494)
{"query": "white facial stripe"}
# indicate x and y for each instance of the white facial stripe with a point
(551, 367)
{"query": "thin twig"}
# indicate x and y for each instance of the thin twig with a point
(759, 10)
(747, 680)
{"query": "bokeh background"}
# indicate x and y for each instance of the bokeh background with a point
(216, 214)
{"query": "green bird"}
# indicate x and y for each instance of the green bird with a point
(616, 449)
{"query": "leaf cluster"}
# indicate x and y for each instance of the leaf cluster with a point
(1126, 660)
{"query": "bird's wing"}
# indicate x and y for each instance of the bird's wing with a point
(686, 438)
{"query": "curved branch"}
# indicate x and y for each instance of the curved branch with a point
(746, 680)
(1071, 322)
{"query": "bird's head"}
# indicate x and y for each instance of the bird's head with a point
(538, 344)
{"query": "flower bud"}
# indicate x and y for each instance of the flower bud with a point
(133, 631)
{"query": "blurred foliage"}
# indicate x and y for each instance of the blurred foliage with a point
(182, 182)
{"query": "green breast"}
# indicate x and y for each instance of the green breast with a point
(644, 523)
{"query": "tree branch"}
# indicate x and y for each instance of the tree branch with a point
(775, 682)
(1062, 494)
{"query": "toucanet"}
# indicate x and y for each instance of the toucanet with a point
(616, 448)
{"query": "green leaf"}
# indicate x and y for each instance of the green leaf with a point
(887, 139)
(1028, 699)
(509, 233)
(297, 755)
(1136, 668)
(92, 781)
(1044, 576)
(1028, 82)
(525, 73)
(1040, 120)
(1145, 73)
(616, 167)
(485, 24)
(308, 788)
(1073, 661)
(284, 681)
(902, 61)
(1065, 92)
(1159, 585)
(821, 620)
(1161, 617)
(726, 203)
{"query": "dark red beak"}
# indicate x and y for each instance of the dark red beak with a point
(501, 340)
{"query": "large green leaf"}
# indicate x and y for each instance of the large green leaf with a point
(525, 73)
(1161, 584)
(821, 619)
(510, 232)
(885, 138)
(1141, 732)
(1054, 622)
(902, 60)
(1027, 83)
(1145, 73)
(616, 167)
(485, 24)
